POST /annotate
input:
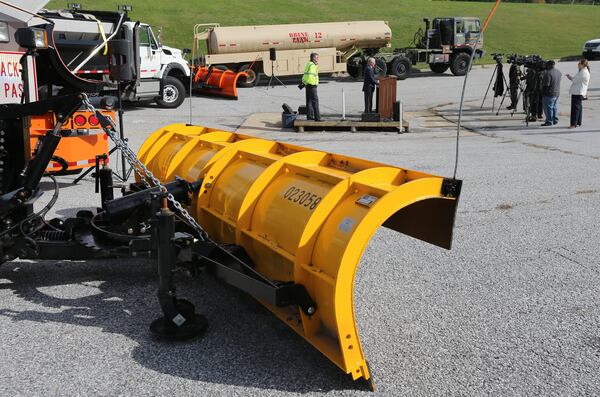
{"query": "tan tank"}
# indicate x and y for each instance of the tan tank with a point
(340, 35)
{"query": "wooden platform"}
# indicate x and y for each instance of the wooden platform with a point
(349, 124)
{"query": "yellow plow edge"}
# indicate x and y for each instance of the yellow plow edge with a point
(303, 216)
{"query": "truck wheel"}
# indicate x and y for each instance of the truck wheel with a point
(381, 67)
(172, 93)
(355, 67)
(253, 76)
(401, 67)
(459, 64)
(438, 67)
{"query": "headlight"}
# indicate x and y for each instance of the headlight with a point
(4, 32)
(32, 38)
(39, 38)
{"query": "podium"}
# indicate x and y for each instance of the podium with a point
(386, 97)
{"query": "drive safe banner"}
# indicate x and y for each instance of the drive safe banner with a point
(11, 77)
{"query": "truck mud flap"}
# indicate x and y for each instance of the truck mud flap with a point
(213, 81)
(305, 216)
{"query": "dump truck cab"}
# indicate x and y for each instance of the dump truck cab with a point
(163, 72)
(158, 60)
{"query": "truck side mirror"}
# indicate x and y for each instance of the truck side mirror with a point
(186, 51)
(121, 64)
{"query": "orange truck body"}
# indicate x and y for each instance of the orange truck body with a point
(83, 139)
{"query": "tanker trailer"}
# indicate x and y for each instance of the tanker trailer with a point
(284, 50)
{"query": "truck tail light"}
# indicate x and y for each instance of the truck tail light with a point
(93, 120)
(80, 120)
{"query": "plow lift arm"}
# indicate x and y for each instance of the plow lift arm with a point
(63, 108)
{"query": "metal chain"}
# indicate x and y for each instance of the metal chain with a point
(145, 174)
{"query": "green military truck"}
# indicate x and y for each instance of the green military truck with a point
(446, 43)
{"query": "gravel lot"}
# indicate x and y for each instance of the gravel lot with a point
(512, 309)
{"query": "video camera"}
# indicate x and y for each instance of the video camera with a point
(498, 57)
(534, 62)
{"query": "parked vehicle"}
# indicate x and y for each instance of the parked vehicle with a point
(591, 49)
(283, 50)
(251, 48)
(83, 140)
(82, 38)
(446, 43)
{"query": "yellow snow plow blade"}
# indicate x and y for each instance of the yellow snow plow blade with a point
(166, 151)
(306, 216)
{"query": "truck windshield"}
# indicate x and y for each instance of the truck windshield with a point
(4, 32)
(472, 26)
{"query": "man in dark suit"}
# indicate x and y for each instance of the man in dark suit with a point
(369, 84)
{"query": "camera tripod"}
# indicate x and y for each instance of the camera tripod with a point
(273, 77)
(521, 89)
(500, 78)
(507, 92)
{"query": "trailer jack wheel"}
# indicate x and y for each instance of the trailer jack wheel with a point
(185, 325)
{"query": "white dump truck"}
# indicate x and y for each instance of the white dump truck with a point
(284, 49)
(81, 37)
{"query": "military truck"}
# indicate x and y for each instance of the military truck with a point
(446, 43)
(283, 50)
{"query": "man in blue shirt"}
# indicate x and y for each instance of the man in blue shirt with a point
(551, 92)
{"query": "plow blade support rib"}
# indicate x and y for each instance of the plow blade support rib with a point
(303, 216)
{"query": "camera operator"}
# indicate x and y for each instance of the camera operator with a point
(515, 75)
(532, 103)
(551, 92)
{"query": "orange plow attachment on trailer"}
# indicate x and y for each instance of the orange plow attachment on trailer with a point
(303, 216)
(213, 81)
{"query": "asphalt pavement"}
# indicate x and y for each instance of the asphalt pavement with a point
(512, 309)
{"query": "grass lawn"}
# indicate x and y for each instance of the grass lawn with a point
(552, 31)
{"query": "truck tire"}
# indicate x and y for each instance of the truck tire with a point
(401, 67)
(172, 93)
(381, 66)
(253, 76)
(459, 63)
(355, 67)
(438, 67)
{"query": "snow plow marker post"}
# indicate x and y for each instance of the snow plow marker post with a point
(305, 217)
